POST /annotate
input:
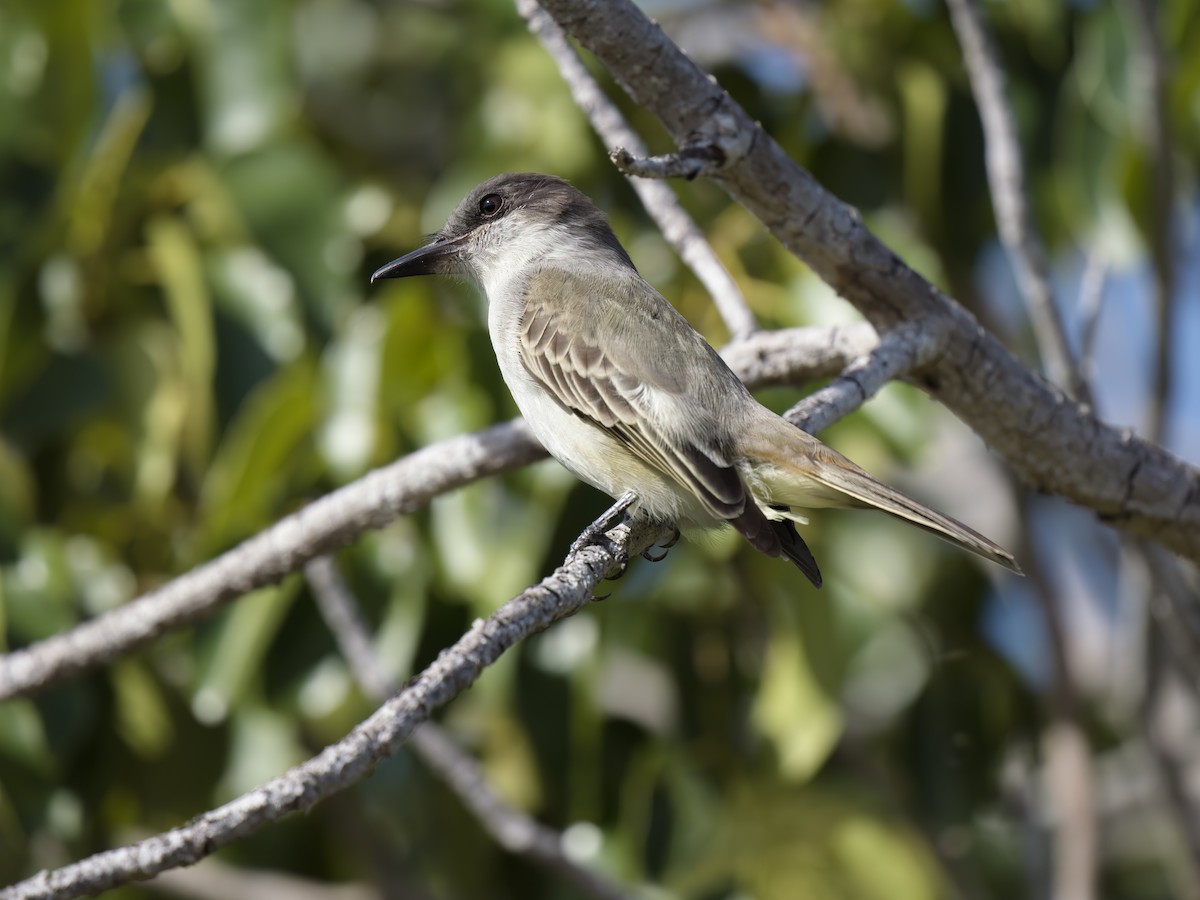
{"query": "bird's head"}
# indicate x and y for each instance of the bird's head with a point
(507, 222)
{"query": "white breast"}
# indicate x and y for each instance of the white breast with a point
(584, 449)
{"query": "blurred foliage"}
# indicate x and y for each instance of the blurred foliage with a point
(191, 197)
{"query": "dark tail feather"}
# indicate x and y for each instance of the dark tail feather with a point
(796, 550)
(776, 539)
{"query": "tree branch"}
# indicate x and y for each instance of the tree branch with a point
(1091, 304)
(1010, 196)
(351, 759)
(658, 199)
(1149, 64)
(901, 350)
(371, 502)
(325, 524)
(1069, 782)
(511, 828)
(354, 757)
(1052, 443)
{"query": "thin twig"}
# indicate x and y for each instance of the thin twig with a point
(900, 351)
(325, 524)
(659, 200)
(511, 828)
(1171, 779)
(354, 757)
(689, 163)
(1149, 77)
(371, 502)
(1069, 779)
(1010, 195)
(1175, 608)
(1091, 304)
(1171, 624)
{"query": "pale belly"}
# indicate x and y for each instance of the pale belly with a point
(595, 457)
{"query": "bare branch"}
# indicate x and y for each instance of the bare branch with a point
(782, 357)
(511, 828)
(342, 614)
(689, 163)
(1091, 304)
(1069, 771)
(901, 350)
(325, 524)
(1174, 610)
(1171, 776)
(560, 595)
(371, 502)
(1149, 65)
(354, 757)
(1010, 195)
(1052, 443)
(658, 199)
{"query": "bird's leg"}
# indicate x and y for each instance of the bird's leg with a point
(604, 523)
(650, 557)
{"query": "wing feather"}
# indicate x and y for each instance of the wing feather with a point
(586, 366)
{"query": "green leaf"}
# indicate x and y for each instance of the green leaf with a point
(235, 662)
(142, 718)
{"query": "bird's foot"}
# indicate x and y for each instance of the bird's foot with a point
(649, 555)
(597, 529)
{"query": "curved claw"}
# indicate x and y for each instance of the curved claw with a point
(649, 557)
(621, 570)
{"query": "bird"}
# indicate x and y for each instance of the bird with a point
(626, 394)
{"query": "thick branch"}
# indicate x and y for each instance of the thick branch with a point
(354, 757)
(658, 199)
(371, 502)
(1053, 444)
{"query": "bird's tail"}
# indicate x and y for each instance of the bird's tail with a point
(792, 469)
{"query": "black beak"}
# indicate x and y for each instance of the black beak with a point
(429, 260)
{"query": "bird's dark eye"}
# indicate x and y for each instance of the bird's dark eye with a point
(490, 205)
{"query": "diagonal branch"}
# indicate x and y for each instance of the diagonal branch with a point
(354, 757)
(1010, 195)
(1052, 443)
(351, 759)
(371, 502)
(511, 828)
(325, 524)
(660, 201)
(899, 352)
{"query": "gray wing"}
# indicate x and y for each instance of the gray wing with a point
(584, 339)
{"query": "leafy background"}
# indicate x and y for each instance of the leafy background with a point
(192, 195)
